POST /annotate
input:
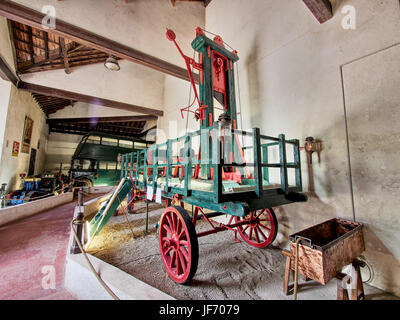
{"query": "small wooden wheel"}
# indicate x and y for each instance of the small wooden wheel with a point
(178, 244)
(261, 229)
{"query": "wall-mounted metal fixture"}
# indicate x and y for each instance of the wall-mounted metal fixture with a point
(311, 146)
(112, 64)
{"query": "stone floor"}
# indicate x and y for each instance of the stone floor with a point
(32, 254)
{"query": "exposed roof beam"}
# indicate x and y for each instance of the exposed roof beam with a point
(34, 18)
(6, 73)
(46, 44)
(205, 2)
(102, 119)
(30, 40)
(75, 130)
(35, 88)
(321, 9)
(65, 56)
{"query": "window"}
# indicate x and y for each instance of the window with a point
(140, 145)
(103, 165)
(111, 165)
(94, 140)
(126, 144)
(109, 142)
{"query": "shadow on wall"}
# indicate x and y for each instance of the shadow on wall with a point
(336, 4)
(254, 110)
(296, 217)
(331, 197)
(383, 266)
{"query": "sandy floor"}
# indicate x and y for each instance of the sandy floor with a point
(227, 270)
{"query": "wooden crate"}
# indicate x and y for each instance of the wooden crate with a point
(326, 248)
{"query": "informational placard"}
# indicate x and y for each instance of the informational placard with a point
(158, 195)
(27, 135)
(15, 149)
(150, 193)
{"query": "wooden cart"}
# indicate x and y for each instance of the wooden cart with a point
(242, 174)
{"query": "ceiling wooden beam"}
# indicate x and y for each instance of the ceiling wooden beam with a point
(321, 9)
(102, 119)
(35, 88)
(65, 55)
(46, 45)
(34, 18)
(6, 73)
(30, 40)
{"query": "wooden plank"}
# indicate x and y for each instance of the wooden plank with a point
(34, 18)
(321, 9)
(31, 52)
(46, 44)
(102, 119)
(6, 73)
(283, 163)
(35, 88)
(65, 55)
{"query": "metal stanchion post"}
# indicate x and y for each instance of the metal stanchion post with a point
(79, 224)
(147, 216)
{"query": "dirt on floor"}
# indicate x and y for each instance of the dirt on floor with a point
(227, 270)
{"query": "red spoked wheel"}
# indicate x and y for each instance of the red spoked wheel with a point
(261, 229)
(178, 244)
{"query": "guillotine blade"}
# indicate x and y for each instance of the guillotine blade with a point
(220, 97)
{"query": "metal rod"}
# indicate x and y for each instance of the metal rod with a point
(147, 216)
(79, 224)
(220, 229)
(348, 145)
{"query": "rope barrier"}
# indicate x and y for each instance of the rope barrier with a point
(104, 285)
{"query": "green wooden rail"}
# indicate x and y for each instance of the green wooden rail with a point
(145, 167)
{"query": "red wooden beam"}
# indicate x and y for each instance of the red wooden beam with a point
(321, 9)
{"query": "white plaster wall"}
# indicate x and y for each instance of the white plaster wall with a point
(133, 84)
(373, 107)
(85, 110)
(290, 83)
(22, 104)
(176, 96)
